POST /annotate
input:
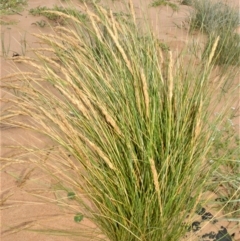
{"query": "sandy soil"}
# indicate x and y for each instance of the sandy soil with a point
(19, 208)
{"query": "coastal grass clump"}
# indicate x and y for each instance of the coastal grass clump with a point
(228, 49)
(217, 19)
(213, 17)
(130, 126)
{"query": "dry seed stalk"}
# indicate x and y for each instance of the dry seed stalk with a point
(145, 91)
(43, 49)
(84, 98)
(18, 74)
(170, 77)
(213, 51)
(49, 60)
(69, 39)
(113, 24)
(97, 150)
(120, 49)
(160, 62)
(61, 14)
(93, 22)
(76, 102)
(109, 119)
(199, 123)
(156, 183)
(68, 31)
(50, 38)
(137, 95)
(130, 3)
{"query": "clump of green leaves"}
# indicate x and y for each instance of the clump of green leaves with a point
(12, 6)
(78, 217)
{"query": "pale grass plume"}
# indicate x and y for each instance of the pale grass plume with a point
(69, 39)
(160, 62)
(130, 3)
(213, 51)
(109, 118)
(79, 104)
(156, 183)
(10, 76)
(137, 95)
(67, 31)
(198, 126)
(48, 60)
(52, 39)
(120, 48)
(93, 22)
(30, 62)
(113, 24)
(145, 91)
(50, 50)
(170, 76)
(93, 147)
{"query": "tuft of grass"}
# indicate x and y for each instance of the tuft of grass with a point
(213, 17)
(52, 13)
(226, 179)
(157, 3)
(5, 49)
(3, 22)
(12, 6)
(135, 121)
(228, 49)
(186, 2)
(217, 19)
(41, 23)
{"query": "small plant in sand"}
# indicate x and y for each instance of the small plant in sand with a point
(52, 13)
(134, 121)
(5, 45)
(12, 6)
(157, 3)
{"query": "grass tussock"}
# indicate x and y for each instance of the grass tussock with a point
(217, 19)
(135, 121)
(12, 6)
(157, 3)
(51, 13)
